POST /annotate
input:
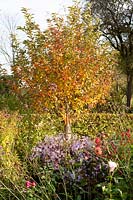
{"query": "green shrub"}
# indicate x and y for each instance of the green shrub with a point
(32, 129)
(10, 164)
(11, 169)
(94, 123)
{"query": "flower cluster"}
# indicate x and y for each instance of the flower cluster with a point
(51, 151)
(75, 157)
(30, 184)
(98, 144)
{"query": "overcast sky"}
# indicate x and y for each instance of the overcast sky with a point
(40, 8)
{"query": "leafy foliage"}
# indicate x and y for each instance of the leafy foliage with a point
(65, 67)
(116, 24)
(118, 147)
(8, 99)
(23, 179)
(10, 164)
(94, 123)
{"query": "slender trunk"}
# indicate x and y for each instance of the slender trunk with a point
(67, 129)
(129, 89)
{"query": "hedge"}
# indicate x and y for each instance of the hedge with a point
(92, 124)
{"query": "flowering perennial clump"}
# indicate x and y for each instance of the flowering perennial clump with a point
(82, 166)
(75, 158)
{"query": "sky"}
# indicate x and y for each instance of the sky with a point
(40, 8)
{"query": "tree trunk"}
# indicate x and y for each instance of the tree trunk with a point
(67, 128)
(129, 89)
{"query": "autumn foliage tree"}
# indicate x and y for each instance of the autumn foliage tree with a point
(63, 68)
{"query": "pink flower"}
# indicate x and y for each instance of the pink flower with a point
(33, 184)
(98, 150)
(112, 165)
(28, 184)
(98, 141)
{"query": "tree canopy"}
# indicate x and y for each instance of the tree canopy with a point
(116, 24)
(63, 68)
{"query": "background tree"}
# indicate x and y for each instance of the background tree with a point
(63, 68)
(8, 25)
(116, 24)
(8, 32)
(8, 100)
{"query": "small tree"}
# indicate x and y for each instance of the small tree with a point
(64, 68)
